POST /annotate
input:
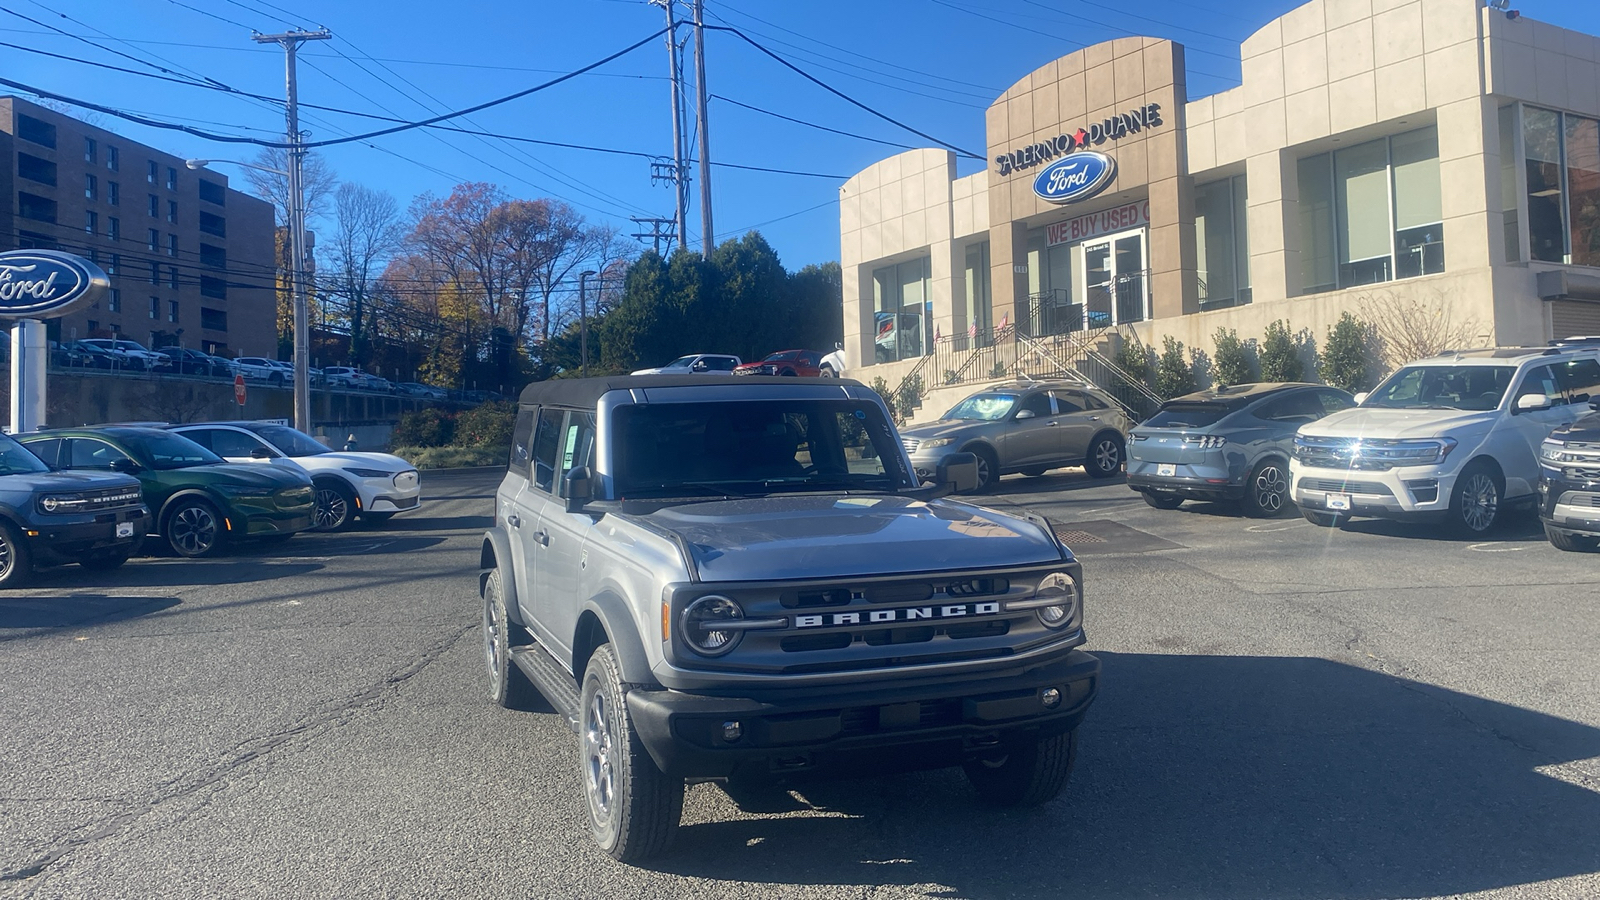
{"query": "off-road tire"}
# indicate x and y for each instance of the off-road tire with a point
(1028, 775)
(1566, 540)
(193, 528)
(1477, 501)
(508, 686)
(1266, 491)
(827, 372)
(16, 561)
(1161, 500)
(1105, 455)
(334, 506)
(634, 808)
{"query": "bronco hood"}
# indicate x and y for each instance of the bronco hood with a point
(1375, 422)
(788, 537)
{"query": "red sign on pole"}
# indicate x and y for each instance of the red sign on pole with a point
(238, 389)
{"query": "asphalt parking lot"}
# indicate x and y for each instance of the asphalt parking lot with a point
(1287, 711)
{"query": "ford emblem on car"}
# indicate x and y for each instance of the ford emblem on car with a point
(46, 284)
(1076, 176)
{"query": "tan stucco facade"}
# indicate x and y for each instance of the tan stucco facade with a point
(1328, 75)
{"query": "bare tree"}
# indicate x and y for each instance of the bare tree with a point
(319, 182)
(1410, 327)
(367, 233)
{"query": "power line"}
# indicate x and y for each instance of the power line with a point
(768, 112)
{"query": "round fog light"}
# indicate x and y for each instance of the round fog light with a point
(1051, 698)
(732, 731)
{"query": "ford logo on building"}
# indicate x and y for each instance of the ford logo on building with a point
(47, 284)
(1074, 177)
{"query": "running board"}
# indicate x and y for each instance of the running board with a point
(551, 678)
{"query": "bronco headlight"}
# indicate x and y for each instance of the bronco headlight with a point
(61, 502)
(935, 442)
(700, 620)
(1055, 601)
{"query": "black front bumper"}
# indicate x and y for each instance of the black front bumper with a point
(66, 538)
(1197, 488)
(860, 731)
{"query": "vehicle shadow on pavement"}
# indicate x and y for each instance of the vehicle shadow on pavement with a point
(1217, 777)
(172, 572)
(76, 610)
(436, 523)
(1514, 525)
(1060, 480)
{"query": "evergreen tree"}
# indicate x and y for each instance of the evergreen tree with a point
(1174, 377)
(1230, 365)
(1280, 356)
(1347, 354)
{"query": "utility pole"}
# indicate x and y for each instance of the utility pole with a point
(660, 230)
(705, 128)
(680, 168)
(296, 214)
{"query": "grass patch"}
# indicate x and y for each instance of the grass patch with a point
(453, 457)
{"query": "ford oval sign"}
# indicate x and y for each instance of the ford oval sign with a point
(47, 284)
(1074, 177)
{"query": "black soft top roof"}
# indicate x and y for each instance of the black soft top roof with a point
(584, 393)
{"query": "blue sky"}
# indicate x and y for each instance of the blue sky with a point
(932, 64)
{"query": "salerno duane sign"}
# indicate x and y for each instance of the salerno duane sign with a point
(47, 284)
(1147, 116)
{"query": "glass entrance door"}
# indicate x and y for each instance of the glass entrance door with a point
(1115, 280)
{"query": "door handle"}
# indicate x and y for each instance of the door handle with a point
(514, 521)
(1094, 418)
(1051, 424)
(542, 538)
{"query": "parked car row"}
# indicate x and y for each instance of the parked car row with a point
(93, 495)
(799, 363)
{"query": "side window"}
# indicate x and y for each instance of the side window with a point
(202, 436)
(45, 450)
(1069, 402)
(1038, 403)
(720, 363)
(1541, 382)
(1581, 379)
(577, 442)
(1090, 401)
(522, 441)
(546, 444)
(1300, 406)
(232, 444)
(1332, 403)
(89, 453)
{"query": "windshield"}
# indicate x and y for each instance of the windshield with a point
(1187, 415)
(17, 460)
(165, 450)
(988, 407)
(291, 442)
(1443, 387)
(755, 447)
(681, 362)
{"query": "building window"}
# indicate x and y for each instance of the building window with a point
(213, 256)
(93, 326)
(1562, 154)
(113, 158)
(211, 192)
(39, 209)
(980, 298)
(1509, 207)
(91, 222)
(113, 264)
(91, 188)
(213, 224)
(213, 287)
(899, 294)
(213, 319)
(172, 277)
(35, 169)
(114, 301)
(155, 206)
(1371, 213)
(155, 307)
(172, 245)
(172, 178)
(1222, 243)
(91, 151)
(155, 240)
(151, 171)
(32, 240)
(155, 272)
(113, 193)
(172, 310)
(172, 211)
(115, 328)
(36, 131)
(114, 228)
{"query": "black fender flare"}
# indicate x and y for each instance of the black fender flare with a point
(607, 618)
(496, 554)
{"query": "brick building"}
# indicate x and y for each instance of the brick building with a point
(190, 259)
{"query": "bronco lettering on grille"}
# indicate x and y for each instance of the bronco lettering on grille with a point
(905, 614)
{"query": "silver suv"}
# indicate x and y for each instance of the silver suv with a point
(740, 580)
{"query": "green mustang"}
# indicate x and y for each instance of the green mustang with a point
(199, 502)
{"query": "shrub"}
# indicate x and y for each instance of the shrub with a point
(1348, 354)
(1280, 355)
(452, 457)
(424, 428)
(908, 397)
(1131, 357)
(486, 426)
(1173, 375)
(1231, 364)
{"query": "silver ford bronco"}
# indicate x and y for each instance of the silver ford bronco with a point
(740, 580)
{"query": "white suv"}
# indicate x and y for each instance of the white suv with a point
(1454, 438)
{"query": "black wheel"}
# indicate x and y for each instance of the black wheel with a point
(276, 379)
(508, 686)
(16, 562)
(1320, 519)
(1035, 471)
(988, 469)
(1105, 456)
(106, 560)
(376, 518)
(1566, 540)
(1475, 500)
(1028, 775)
(1266, 492)
(194, 528)
(1162, 500)
(634, 808)
(335, 506)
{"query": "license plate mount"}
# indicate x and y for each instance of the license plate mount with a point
(1166, 470)
(1338, 501)
(124, 529)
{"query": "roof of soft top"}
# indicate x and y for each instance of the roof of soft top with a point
(586, 392)
(1233, 392)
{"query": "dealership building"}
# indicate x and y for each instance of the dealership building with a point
(1433, 157)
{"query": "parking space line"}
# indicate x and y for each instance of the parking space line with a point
(1489, 547)
(1265, 529)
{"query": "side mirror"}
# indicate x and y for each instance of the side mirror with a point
(576, 488)
(1361, 398)
(838, 345)
(1531, 402)
(1026, 414)
(699, 366)
(959, 470)
(126, 466)
(262, 453)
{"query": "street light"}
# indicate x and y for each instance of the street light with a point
(583, 320)
(296, 214)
